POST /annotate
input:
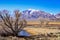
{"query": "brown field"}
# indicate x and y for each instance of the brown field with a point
(33, 30)
(37, 22)
(36, 31)
(52, 28)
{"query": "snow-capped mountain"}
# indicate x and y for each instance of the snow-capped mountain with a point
(35, 14)
(57, 15)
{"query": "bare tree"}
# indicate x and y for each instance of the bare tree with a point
(12, 24)
(44, 22)
(47, 23)
(41, 23)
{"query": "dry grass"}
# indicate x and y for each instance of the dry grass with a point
(38, 22)
(41, 30)
(35, 31)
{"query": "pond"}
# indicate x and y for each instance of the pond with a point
(23, 33)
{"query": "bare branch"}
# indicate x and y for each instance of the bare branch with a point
(11, 25)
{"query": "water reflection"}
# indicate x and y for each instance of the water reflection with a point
(23, 33)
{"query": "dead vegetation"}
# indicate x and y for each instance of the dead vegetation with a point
(11, 25)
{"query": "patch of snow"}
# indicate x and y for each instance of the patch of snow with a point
(33, 10)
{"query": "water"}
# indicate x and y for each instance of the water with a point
(23, 33)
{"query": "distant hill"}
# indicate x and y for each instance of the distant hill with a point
(57, 15)
(32, 14)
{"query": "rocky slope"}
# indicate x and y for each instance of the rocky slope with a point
(36, 14)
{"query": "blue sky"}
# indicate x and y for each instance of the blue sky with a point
(51, 6)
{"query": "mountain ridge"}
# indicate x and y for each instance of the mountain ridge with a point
(36, 14)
